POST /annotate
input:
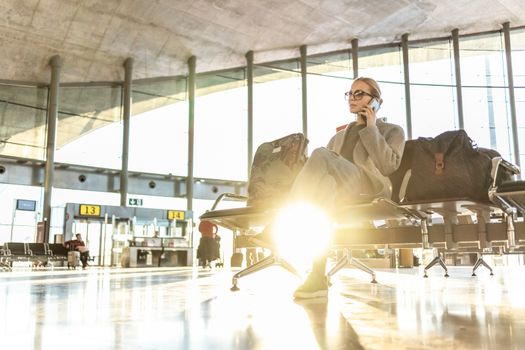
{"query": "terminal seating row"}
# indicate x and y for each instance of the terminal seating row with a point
(446, 225)
(37, 254)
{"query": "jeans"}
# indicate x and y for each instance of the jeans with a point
(327, 179)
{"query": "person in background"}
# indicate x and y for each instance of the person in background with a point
(79, 245)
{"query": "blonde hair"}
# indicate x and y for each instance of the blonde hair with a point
(376, 91)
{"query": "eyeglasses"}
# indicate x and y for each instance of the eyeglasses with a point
(357, 95)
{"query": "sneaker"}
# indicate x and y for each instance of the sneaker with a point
(313, 287)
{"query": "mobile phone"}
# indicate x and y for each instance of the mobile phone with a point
(374, 103)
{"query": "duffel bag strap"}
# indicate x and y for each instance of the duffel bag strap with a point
(440, 163)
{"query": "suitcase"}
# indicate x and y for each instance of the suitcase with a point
(208, 251)
(274, 168)
(73, 259)
(236, 259)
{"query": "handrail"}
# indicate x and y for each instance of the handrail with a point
(237, 197)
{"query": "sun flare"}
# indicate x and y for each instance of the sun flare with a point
(302, 232)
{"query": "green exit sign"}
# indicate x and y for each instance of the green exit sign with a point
(135, 201)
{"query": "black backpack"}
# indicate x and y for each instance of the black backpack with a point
(447, 166)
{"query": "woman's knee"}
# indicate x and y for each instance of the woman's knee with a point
(320, 154)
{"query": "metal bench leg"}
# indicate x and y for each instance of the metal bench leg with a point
(347, 259)
(481, 262)
(342, 262)
(286, 265)
(437, 260)
(5, 266)
(260, 265)
(361, 266)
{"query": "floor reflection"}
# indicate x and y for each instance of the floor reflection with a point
(331, 329)
(185, 308)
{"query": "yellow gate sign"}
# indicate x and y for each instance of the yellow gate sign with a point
(176, 215)
(89, 210)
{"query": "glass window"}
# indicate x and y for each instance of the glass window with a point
(158, 141)
(485, 92)
(19, 225)
(23, 112)
(329, 77)
(432, 88)
(385, 65)
(89, 129)
(517, 38)
(277, 101)
(482, 60)
(221, 142)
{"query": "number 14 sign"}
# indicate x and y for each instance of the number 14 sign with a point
(175, 215)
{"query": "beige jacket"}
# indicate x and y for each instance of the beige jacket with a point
(377, 154)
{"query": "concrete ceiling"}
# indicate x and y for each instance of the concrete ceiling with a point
(94, 37)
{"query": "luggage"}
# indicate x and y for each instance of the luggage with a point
(236, 259)
(208, 250)
(209, 244)
(73, 259)
(449, 165)
(274, 168)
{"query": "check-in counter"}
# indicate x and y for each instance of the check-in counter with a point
(157, 256)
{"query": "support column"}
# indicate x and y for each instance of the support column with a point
(457, 66)
(191, 132)
(127, 102)
(52, 118)
(404, 46)
(249, 77)
(355, 54)
(512, 98)
(304, 79)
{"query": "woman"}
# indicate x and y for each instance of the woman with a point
(356, 161)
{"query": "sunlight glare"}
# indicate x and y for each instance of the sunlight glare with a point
(302, 232)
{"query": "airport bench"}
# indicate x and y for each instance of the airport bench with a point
(495, 226)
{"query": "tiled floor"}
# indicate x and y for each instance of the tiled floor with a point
(184, 308)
